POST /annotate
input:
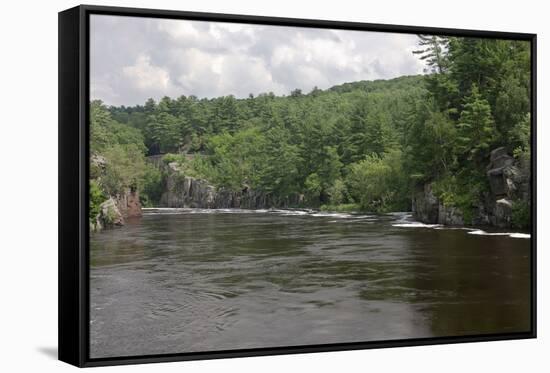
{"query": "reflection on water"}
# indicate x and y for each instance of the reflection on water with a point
(187, 280)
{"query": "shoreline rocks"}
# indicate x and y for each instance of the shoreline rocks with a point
(509, 182)
(116, 210)
(186, 191)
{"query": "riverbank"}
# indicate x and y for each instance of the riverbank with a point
(398, 219)
(504, 203)
(347, 207)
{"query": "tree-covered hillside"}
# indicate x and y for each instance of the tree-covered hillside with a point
(361, 145)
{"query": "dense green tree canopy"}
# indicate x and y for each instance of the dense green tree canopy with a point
(366, 143)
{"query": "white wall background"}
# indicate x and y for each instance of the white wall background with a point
(28, 185)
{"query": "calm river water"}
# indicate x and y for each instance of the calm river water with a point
(187, 280)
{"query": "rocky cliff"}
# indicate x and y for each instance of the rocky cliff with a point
(187, 191)
(116, 209)
(510, 183)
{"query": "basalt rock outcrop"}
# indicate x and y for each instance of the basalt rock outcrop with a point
(186, 191)
(509, 181)
(508, 177)
(425, 204)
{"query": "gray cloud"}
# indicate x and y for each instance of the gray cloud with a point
(133, 59)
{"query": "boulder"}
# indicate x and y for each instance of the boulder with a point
(109, 215)
(114, 211)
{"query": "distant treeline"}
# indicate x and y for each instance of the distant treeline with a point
(363, 144)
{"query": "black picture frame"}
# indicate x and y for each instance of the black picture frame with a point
(73, 254)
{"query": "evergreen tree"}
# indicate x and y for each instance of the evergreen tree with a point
(475, 127)
(433, 52)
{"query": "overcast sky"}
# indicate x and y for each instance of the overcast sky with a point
(133, 58)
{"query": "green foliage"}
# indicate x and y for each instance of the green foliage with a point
(125, 169)
(446, 190)
(361, 144)
(100, 119)
(110, 215)
(378, 183)
(522, 136)
(106, 132)
(234, 160)
(475, 127)
(152, 186)
(461, 191)
(96, 199)
(521, 214)
(276, 166)
(122, 148)
(166, 131)
(433, 52)
(430, 142)
(313, 187)
(478, 101)
(337, 192)
(171, 157)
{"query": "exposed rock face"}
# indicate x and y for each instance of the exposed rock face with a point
(187, 191)
(425, 204)
(499, 171)
(109, 215)
(116, 210)
(484, 210)
(428, 209)
(503, 213)
(129, 204)
(508, 178)
(449, 215)
(509, 182)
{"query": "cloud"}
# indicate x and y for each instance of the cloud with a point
(133, 58)
(145, 76)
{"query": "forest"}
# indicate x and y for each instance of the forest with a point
(360, 146)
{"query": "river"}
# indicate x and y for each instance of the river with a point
(189, 280)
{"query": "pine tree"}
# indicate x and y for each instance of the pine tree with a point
(476, 127)
(434, 52)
